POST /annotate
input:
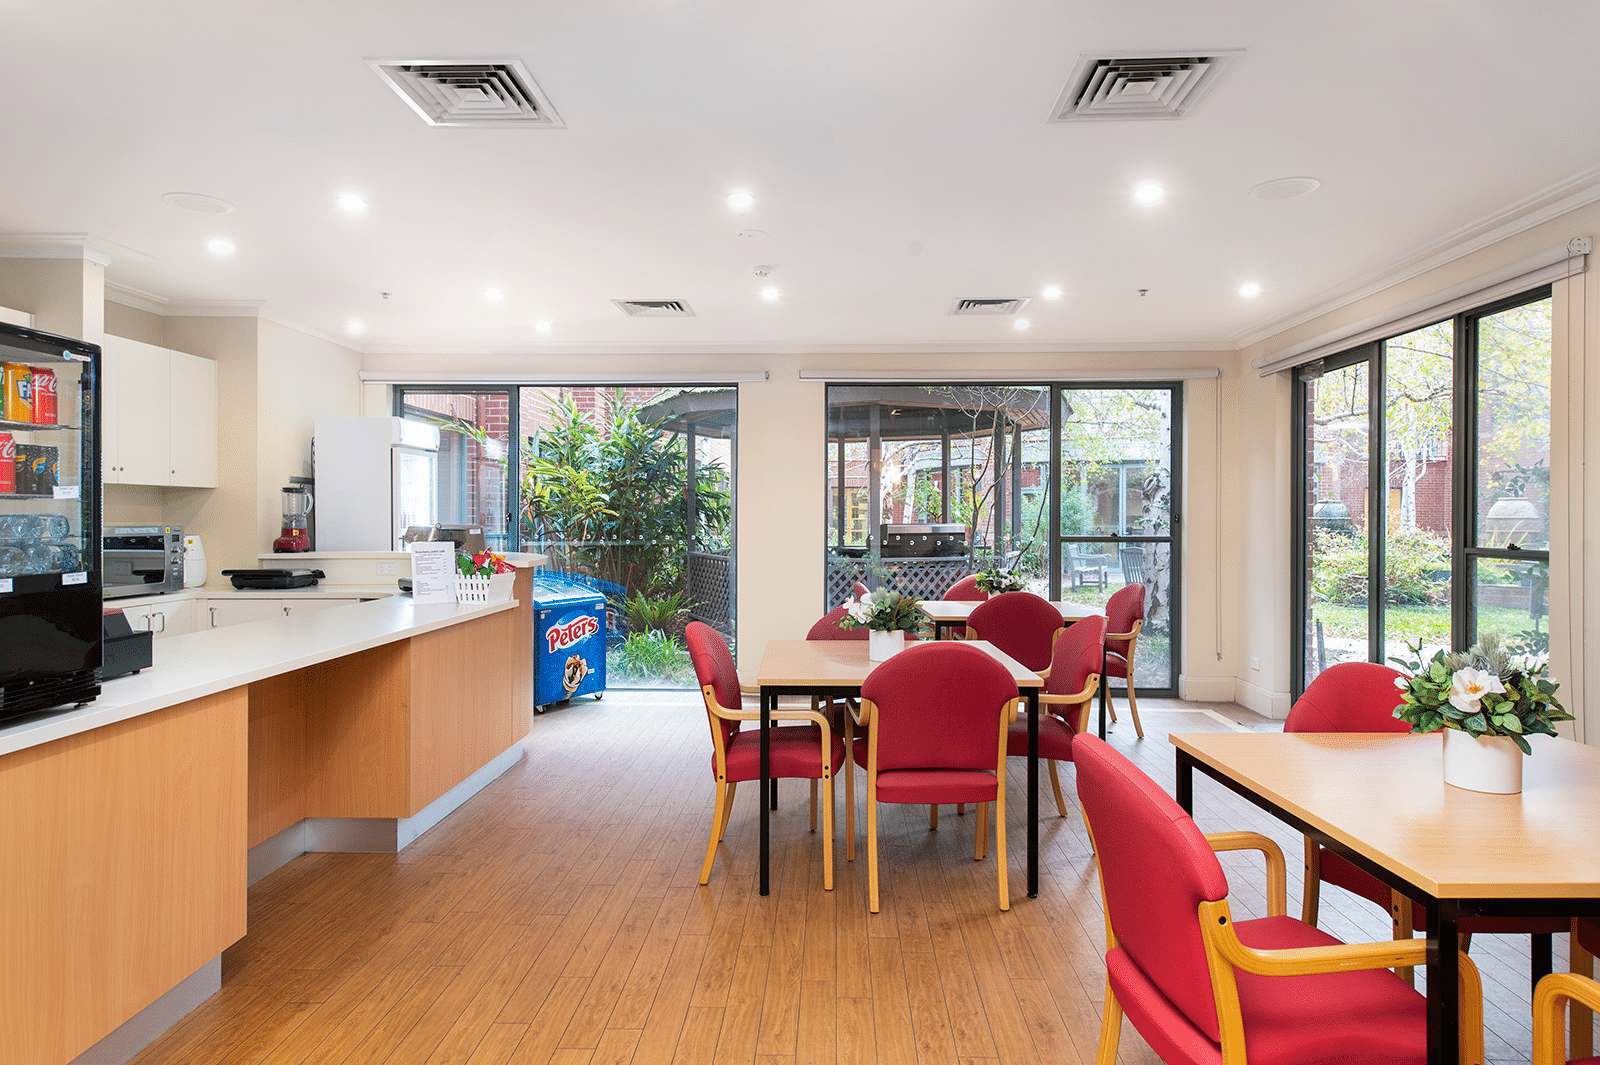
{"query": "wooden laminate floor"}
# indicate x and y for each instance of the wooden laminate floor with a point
(556, 918)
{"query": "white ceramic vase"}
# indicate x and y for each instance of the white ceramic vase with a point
(1482, 763)
(881, 646)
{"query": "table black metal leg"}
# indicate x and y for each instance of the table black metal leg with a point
(1540, 956)
(774, 786)
(766, 776)
(1103, 687)
(1444, 1013)
(1033, 793)
(1185, 782)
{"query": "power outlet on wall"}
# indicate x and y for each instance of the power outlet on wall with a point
(386, 569)
(1255, 664)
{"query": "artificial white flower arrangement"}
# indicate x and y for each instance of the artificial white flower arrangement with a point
(881, 611)
(1485, 691)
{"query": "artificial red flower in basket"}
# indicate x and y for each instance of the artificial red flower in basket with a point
(482, 564)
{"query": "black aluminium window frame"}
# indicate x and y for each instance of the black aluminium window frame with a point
(513, 459)
(1056, 541)
(1464, 550)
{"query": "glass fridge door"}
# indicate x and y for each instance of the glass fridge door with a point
(415, 473)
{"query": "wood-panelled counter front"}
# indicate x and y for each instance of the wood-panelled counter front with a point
(125, 826)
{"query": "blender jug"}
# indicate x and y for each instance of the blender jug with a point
(296, 510)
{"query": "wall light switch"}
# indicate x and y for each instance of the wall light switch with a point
(1255, 663)
(386, 569)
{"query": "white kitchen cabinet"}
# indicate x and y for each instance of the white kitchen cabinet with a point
(220, 613)
(292, 607)
(158, 416)
(173, 617)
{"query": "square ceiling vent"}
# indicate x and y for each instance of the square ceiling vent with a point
(995, 305)
(469, 92)
(1108, 86)
(655, 308)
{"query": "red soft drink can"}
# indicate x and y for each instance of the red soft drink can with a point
(44, 396)
(8, 463)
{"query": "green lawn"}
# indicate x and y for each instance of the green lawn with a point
(1430, 624)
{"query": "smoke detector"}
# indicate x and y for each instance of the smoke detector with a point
(998, 305)
(654, 308)
(469, 92)
(1123, 85)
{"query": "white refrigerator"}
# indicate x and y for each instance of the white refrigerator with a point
(375, 477)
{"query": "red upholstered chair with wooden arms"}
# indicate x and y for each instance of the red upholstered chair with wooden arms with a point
(858, 590)
(1361, 697)
(1124, 622)
(1074, 678)
(1204, 989)
(812, 751)
(1550, 1000)
(966, 590)
(937, 715)
(1021, 624)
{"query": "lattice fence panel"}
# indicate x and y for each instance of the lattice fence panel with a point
(711, 590)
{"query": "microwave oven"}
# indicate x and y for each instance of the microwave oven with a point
(142, 559)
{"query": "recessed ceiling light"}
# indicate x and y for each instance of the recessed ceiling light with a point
(752, 234)
(769, 294)
(1051, 293)
(494, 295)
(541, 326)
(220, 247)
(1020, 324)
(352, 203)
(198, 203)
(1284, 188)
(741, 202)
(1149, 192)
(355, 327)
(1249, 288)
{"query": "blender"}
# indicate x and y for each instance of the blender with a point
(296, 534)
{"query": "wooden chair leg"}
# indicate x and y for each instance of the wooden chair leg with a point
(827, 828)
(813, 804)
(1580, 1021)
(1404, 918)
(1110, 1029)
(1313, 892)
(1000, 841)
(1055, 786)
(727, 811)
(849, 796)
(718, 818)
(980, 840)
(933, 817)
(961, 809)
(872, 847)
(1111, 704)
(1133, 707)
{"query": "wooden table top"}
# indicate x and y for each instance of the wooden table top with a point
(844, 664)
(948, 610)
(1384, 796)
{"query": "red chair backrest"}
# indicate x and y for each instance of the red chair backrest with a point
(1021, 624)
(1349, 697)
(938, 707)
(966, 590)
(1156, 868)
(713, 665)
(1079, 653)
(859, 590)
(827, 628)
(1125, 606)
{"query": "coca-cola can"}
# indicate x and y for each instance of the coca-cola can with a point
(44, 396)
(8, 463)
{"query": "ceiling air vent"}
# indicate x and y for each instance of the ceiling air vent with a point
(469, 92)
(654, 308)
(1118, 85)
(1010, 305)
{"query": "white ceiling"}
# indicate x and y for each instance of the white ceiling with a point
(898, 151)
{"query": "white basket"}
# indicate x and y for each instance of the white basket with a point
(496, 589)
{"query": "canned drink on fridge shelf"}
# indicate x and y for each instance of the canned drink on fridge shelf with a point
(8, 463)
(44, 396)
(46, 469)
(24, 468)
(18, 378)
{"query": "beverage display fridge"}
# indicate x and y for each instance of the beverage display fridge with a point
(49, 521)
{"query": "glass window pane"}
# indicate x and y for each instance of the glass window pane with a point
(1418, 391)
(1336, 489)
(1512, 599)
(474, 445)
(1116, 456)
(1513, 452)
(1151, 565)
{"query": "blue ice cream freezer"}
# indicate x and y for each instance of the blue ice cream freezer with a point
(569, 641)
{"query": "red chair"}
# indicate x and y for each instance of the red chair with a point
(937, 716)
(1124, 621)
(827, 628)
(859, 590)
(1361, 697)
(1202, 988)
(1074, 678)
(1550, 1000)
(1021, 624)
(966, 590)
(811, 752)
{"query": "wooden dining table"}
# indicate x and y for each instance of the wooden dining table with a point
(1379, 799)
(949, 613)
(837, 669)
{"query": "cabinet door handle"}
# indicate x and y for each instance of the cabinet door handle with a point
(213, 616)
(286, 611)
(162, 615)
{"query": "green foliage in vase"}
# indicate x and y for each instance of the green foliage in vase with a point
(1486, 691)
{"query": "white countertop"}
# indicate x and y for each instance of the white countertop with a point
(204, 663)
(227, 591)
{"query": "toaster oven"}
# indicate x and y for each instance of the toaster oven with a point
(142, 559)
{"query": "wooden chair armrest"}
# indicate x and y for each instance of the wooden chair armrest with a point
(1076, 699)
(1549, 1005)
(1277, 875)
(861, 713)
(1302, 961)
(1130, 634)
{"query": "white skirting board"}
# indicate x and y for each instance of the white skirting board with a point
(372, 835)
(1205, 689)
(1263, 701)
(152, 1022)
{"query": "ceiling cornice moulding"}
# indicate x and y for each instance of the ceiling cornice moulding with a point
(930, 349)
(137, 298)
(69, 246)
(1562, 198)
(215, 309)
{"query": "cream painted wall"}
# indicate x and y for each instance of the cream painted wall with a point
(1265, 449)
(782, 476)
(132, 323)
(64, 295)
